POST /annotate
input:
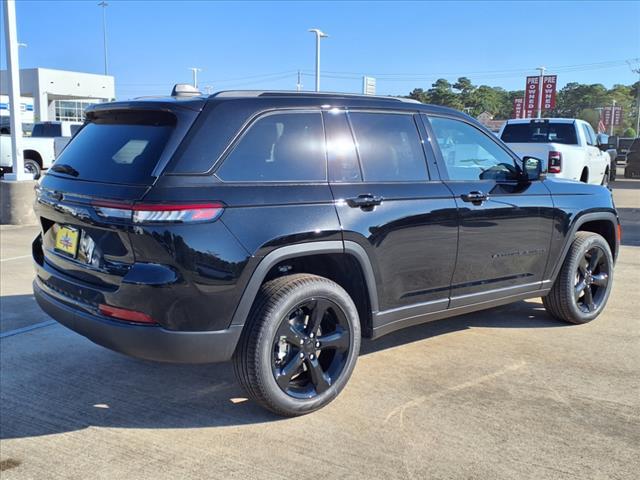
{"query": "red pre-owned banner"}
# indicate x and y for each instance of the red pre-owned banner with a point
(518, 104)
(531, 93)
(549, 92)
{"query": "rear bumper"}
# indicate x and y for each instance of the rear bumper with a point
(146, 342)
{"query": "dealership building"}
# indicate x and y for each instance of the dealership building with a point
(48, 95)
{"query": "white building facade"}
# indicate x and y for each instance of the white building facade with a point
(50, 95)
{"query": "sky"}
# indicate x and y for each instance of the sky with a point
(262, 45)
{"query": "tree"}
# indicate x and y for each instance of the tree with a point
(466, 89)
(441, 93)
(629, 133)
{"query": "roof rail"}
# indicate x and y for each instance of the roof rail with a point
(293, 93)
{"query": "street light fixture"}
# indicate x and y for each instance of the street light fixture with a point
(195, 71)
(319, 35)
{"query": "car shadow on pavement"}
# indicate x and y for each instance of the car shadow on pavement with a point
(55, 381)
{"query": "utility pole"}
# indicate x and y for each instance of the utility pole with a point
(613, 114)
(637, 70)
(195, 71)
(299, 83)
(540, 90)
(11, 41)
(319, 35)
(104, 6)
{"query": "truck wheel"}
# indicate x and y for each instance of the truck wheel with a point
(31, 166)
(583, 285)
(299, 345)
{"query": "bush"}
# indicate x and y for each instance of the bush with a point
(629, 133)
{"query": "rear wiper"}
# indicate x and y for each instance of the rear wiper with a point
(66, 169)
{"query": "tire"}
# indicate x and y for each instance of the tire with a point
(605, 179)
(584, 283)
(312, 365)
(31, 166)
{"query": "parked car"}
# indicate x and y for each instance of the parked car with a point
(632, 160)
(624, 144)
(569, 147)
(276, 229)
(40, 149)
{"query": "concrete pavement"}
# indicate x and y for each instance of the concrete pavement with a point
(505, 393)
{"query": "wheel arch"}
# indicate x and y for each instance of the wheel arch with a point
(335, 260)
(604, 224)
(32, 155)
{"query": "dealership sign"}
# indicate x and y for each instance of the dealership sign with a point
(531, 93)
(534, 90)
(518, 104)
(610, 114)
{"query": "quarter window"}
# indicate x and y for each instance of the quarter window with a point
(389, 146)
(469, 154)
(282, 147)
(587, 135)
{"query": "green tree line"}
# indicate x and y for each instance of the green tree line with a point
(574, 100)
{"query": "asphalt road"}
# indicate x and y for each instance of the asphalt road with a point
(505, 393)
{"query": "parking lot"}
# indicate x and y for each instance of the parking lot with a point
(504, 393)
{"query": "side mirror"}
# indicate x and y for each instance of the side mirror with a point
(532, 169)
(602, 141)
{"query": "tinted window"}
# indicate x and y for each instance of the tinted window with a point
(123, 149)
(341, 149)
(47, 130)
(589, 137)
(540, 132)
(389, 147)
(285, 147)
(469, 154)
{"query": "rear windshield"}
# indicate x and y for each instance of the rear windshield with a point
(122, 148)
(545, 132)
(47, 130)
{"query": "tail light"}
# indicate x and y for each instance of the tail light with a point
(555, 162)
(160, 213)
(125, 314)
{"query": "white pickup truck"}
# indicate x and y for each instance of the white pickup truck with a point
(569, 148)
(40, 149)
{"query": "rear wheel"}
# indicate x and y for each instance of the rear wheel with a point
(583, 285)
(300, 344)
(32, 167)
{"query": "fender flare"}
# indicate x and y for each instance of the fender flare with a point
(577, 223)
(300, 250)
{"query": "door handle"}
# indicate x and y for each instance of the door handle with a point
(366, 201)
(474, 197)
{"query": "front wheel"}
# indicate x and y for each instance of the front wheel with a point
(583, 285)
(300, 344)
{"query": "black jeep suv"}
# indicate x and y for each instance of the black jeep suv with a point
(277, 228)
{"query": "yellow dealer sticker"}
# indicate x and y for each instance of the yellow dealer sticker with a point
(67, 240)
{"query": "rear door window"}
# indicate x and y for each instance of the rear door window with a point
(389, 147)
(279, 147)
(341, 149)
(117, 148)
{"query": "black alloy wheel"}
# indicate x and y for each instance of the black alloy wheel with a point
(299, 345)
(592, 280)
(583, 285)
(311, 348)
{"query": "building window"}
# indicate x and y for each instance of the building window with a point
(71, 110)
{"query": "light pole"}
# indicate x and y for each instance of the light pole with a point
(11, 42)
(104, 6)
(319, 35)
(195, 71)
(540, 90)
